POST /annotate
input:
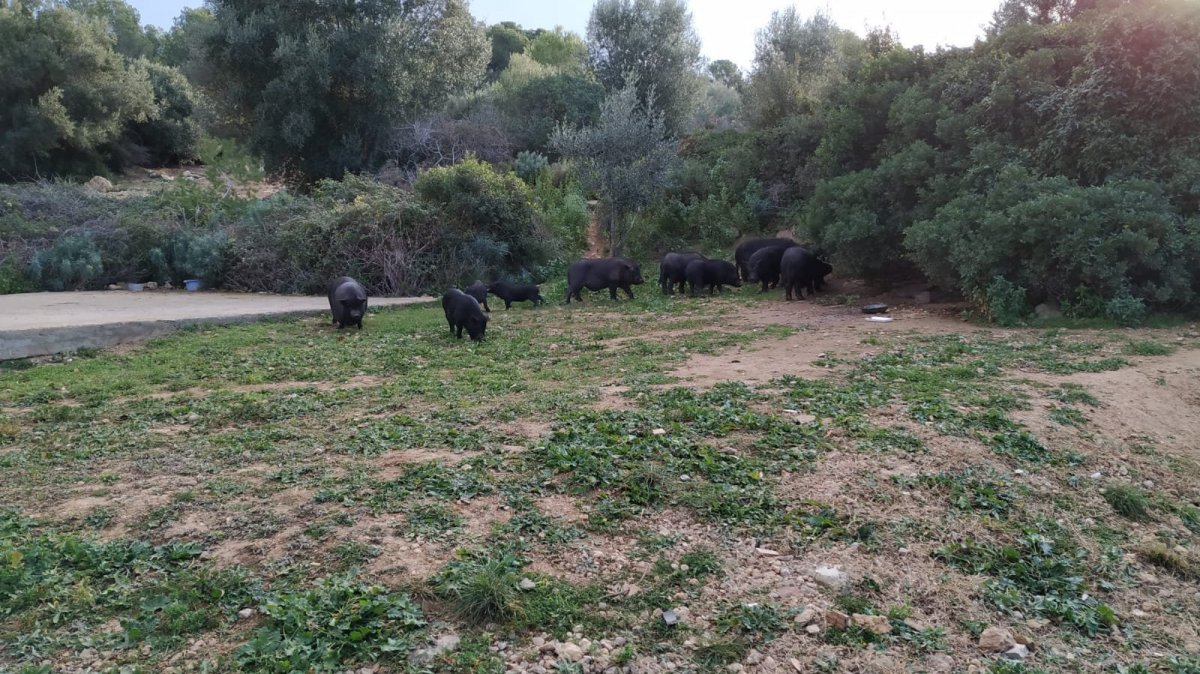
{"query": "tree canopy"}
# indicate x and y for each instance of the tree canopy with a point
(652, 44)
(319, 85)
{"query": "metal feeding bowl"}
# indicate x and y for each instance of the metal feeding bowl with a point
(875, 309)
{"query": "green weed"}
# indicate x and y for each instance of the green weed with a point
(1127, 501)
(339, 622)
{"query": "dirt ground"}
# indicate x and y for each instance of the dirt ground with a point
(1153, 402)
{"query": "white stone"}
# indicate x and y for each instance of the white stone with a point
(830, 577)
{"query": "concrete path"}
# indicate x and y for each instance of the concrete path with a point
(40, 324)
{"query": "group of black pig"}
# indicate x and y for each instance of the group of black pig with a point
(766, 261)
(769, 261)
(348, 304)
(463, 307)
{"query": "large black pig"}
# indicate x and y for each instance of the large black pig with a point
(800, 269)
(514, 292)
(748, 248)
(463, 311)
(601, 273)
(764, 266)
(479, 290)
(712, 274)
(347, 302)
(671, 270)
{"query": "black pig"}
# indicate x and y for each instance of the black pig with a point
(347, 302)
(479, 291)
(671, 269)
(764, 266)
(512, 292)
(711, 273)
(800, 269)
(463, 311)
(598, 274)
(748, 248)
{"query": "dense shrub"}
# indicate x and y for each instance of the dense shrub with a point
(71, 264)
(491, 213)
(563, 211)
(1056, 238)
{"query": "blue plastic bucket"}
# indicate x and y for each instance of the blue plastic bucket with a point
(191, 285)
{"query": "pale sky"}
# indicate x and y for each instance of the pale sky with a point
(726, 27)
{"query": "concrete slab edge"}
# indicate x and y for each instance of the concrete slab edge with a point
(18, 344)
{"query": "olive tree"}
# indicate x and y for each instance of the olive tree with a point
(319, 85)
(652, 44)
(626, 158)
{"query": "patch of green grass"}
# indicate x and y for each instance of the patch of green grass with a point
(824, 522)
(717, 653)
(977, 490)
(1073, 393)
(57, 587)
(753, 622)
(354, 553)
(431, 521)
(100, 517)
(1035, 575)
(1010, 667)
(1127, 501)
(1022, 446)
(527, 527)
(339, 622)
(1067, 416)
(483, 587)
(1147, 347)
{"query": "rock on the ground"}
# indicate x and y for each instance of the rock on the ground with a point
(99, 184)
(246, 613)
(443, 644)
(526, 584)
(831, 577)
(996, 640)
(876, 623)
(813, 629)
(570, 652)
(1018, 652)
(753, 657)
(837, 619)
(809, 614)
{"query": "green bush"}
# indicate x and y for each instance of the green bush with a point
(860, 218)
(71, 264)
(14, 279)
(1005, 302)
(530, 165)
(490, 214)
(564, 211)
(1122, 241)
